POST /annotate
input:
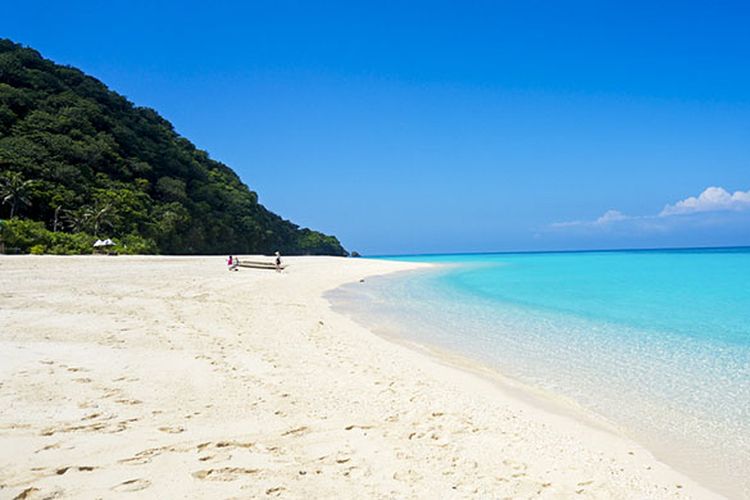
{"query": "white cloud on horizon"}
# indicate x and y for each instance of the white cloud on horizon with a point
(608, 217)
(611, 216)
(712, 199)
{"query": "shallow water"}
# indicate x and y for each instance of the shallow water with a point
(656, 342)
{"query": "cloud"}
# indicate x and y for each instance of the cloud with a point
(608, 217)
(611, 216)
(569, 223)
(712, 199)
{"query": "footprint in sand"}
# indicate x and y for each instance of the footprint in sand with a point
(356, 426)
(172, 430)
(128, 401)
(132, 485)
(93, 427)
(234, 444)
(81, 468)
(26, 493)
(295, 432)
(224, 473)
(48, 447)
(145, 456)
(111, 393)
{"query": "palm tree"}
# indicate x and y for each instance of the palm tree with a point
(89, 218)
(15, 190)
(76, 220)
(100, 215)
(56, 220)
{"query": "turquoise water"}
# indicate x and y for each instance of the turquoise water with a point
(656, 342)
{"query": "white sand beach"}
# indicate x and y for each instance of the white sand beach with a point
(169, 377)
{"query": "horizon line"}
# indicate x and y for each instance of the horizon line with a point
(600, 250)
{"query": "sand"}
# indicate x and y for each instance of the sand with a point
(169, 377)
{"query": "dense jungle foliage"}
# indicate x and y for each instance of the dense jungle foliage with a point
(80, 162)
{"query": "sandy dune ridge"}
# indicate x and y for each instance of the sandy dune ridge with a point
(169, 377)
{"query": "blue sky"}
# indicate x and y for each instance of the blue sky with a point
(407, 127)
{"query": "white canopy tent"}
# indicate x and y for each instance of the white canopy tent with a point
(104, 243)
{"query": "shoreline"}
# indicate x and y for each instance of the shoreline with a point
(303, 389)
(544, 399)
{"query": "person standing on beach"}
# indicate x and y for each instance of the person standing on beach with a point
(278, 262)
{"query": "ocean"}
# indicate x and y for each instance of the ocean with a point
(655, 342)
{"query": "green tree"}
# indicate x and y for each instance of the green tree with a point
(99, 216)
(15, 191)
(76, 219)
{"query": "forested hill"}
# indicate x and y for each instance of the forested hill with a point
(85, 163)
